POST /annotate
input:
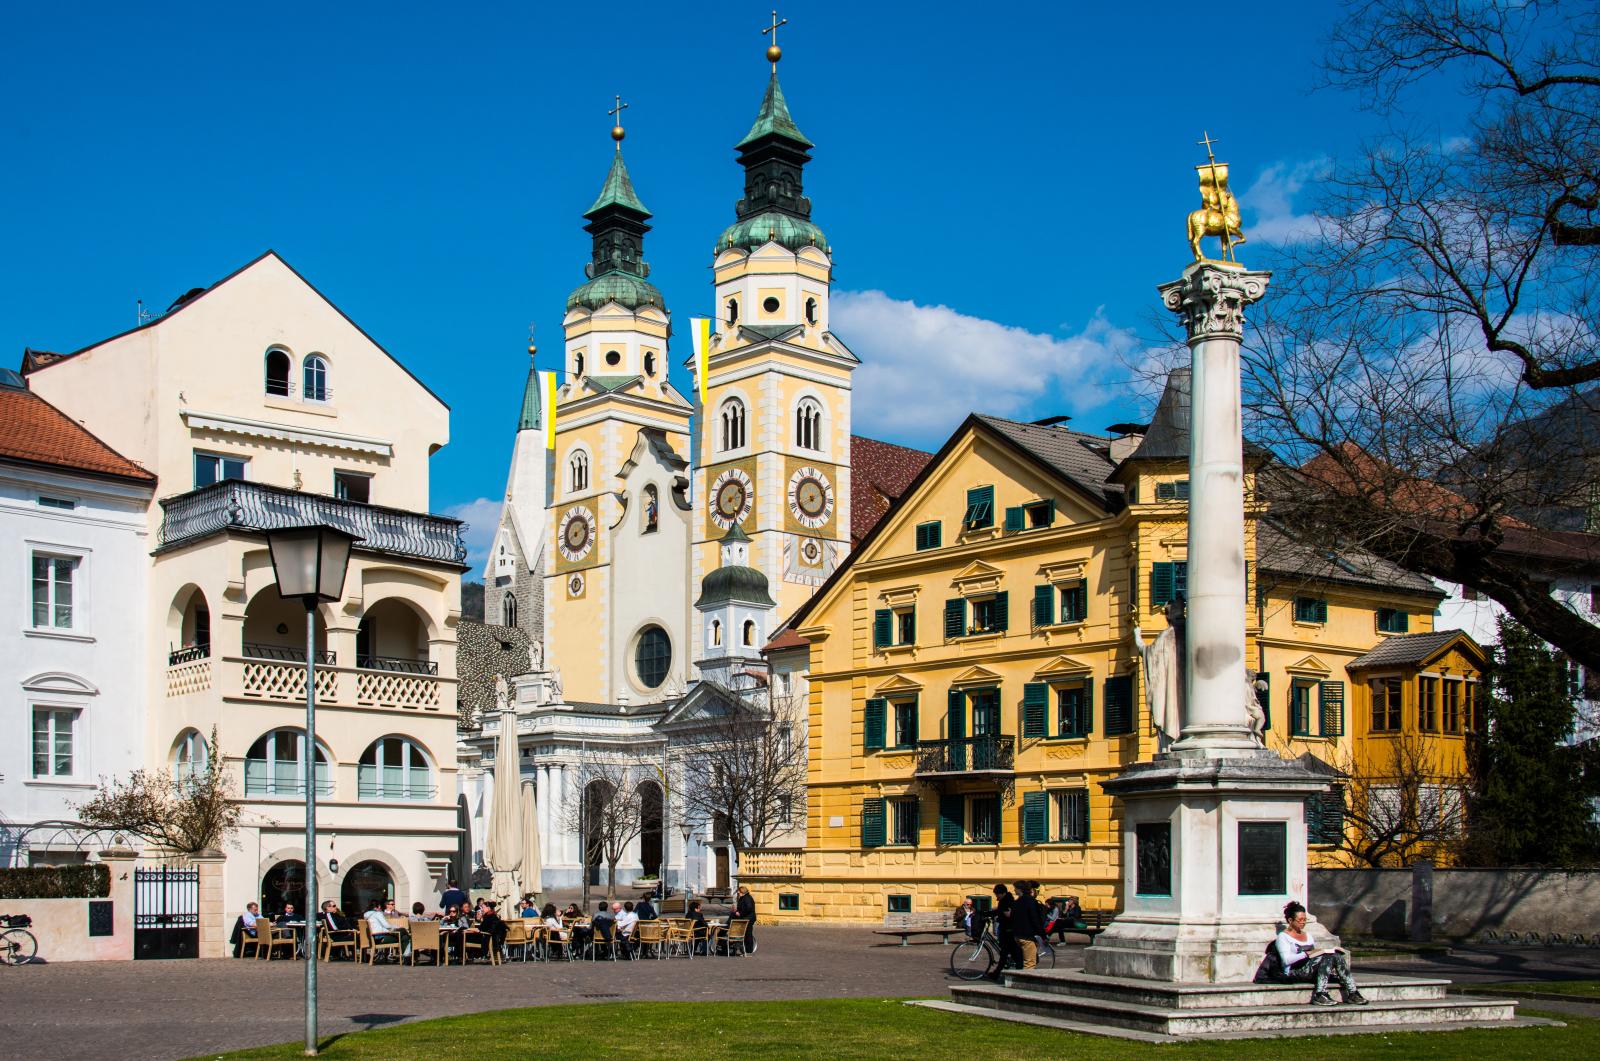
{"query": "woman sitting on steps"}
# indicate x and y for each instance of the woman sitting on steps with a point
(1293, 958)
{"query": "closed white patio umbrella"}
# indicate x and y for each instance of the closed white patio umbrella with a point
(532, 864)
(503, 845)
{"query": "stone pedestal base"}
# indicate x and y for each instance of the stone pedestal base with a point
(1212, 849)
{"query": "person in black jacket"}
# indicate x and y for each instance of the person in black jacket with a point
(744, 908)
(1027, 923)
(1004, 902)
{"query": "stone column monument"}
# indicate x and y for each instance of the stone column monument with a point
(1213, 830)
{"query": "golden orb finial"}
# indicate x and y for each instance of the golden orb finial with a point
(532, 349)
(774, 53)
(617, 133)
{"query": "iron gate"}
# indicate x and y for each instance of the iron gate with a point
(166, 912)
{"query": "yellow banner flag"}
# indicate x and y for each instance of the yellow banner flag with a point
(547, 387)
(700, 330)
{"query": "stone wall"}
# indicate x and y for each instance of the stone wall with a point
(61, 926)
(1466, 902)
(482, 651)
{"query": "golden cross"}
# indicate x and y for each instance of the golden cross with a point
(772, 52)
(616, 130)
(1206, 143)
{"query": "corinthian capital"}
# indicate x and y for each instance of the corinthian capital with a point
(1210, 298)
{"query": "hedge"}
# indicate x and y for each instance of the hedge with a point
(56, 882)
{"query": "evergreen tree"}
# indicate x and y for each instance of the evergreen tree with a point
(1531, 784)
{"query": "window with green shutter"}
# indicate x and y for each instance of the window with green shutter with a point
(872, 830)
(952, 819)
(955, 718)
(1169, 579)
(1075, 710)
(903, 819)
(1016, 519)
(1040, 514)
(905, 723)
(1310, 610)
(873, 724)
(1178, 490)
(1001, 619)
(1035, 709)
(929, 535)
(1075, 602)
(905, 622)
(1044, 605)
(980, 508)
(1300, 707)
(1119, 705)
(899, 904)
(1035, 817)
(883, 628)
(1325, 817)
(1393, 620)
(955, 618)
(1072, 816)
(788, 901)
(1330, 697)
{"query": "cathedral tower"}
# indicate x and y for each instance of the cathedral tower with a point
(514, 576)
(775, 431)
(735, 615)
(617, 587)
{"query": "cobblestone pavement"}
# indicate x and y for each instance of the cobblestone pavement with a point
(188, 1009)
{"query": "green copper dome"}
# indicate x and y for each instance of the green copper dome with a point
(772, 226)
(625, 289)
(745, 585)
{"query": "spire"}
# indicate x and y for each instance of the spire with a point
(530, 419)
(773, 119)
(617, 223)
(773, 153)
(617, 190)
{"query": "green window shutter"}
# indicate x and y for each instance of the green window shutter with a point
(913, 638)
(914, 806)
(1325, 817)
(1035, 708)
(980, 507)
(1160, 583)
(955, 617)
(1080, 831)
(872, 830)
(916, 721)
(873, 724)
(1181, 489)
(929, 535)
(1180, 578)
(1088, 707)
(1321, 612)
(1050, 513)
(1075, 603)
(1035, 817)
(882, 628)
(1016, 519)
(952, 823)
(956, 714)
(1044, 605)
(1002, 610)
(1119, 705)
(1331, 697)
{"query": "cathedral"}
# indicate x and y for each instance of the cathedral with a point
(650, 540)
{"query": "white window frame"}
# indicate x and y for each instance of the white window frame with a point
(733, 425)
(374, 770)
(77, 583)
(194, 465)
(297, 785)
(190, 755)
(79, 743)
(324, 393)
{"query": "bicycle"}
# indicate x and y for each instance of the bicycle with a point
(974, 959)
(17, 945)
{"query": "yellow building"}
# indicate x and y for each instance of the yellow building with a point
(974, 679)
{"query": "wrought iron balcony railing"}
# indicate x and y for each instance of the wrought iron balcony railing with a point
(966, 755)
(287, 654)
(398, 664)
(187, 654)
(235, 504)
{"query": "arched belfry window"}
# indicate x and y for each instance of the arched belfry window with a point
(808, 424)
(732, 424)
(811, 311)
(716, 632)
(733, 311)
(579, 467)
(314, 385)
(577, 363)
(508, 609)
(278, 373)
(749, 632)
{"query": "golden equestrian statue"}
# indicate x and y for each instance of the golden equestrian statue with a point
(1219, 211)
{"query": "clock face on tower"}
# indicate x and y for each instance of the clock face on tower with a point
(810, 497)
(576, 536)
(732, 496)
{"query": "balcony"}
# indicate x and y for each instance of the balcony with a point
(397, 664)
(280, 677)
(237, 505)
(966, 756)
(286, 654)
(771, 862)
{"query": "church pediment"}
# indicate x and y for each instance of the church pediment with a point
(1063, 667)
(1309, 665)
(899, 683)
(976, 676)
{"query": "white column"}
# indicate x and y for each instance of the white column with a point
(1210, 298)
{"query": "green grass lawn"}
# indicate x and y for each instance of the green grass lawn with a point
(1576, 988)
(866, 1028)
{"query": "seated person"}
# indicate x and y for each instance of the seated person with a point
(527, 907)
(646, 910)
(1293, 958)
(571, 913)
(245, 927)
(492, 924)
(552, 919)
(332, 919)
(288, 914)
(603, 924)
(968, 919)
(700, 931)
(382, 931)
(419, 912)
(627, 919)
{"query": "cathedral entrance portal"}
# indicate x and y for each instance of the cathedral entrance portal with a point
(650, 831)
(596, 799)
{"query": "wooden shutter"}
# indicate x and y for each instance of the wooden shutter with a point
(916, 722)
(952, 819)
(1035, 709)
(873, 724)
(1035, 817)
(1044, 605)
(1080, 816)
(1002, 610)
(1088, 707)
(1180, 578)
(956, 714)
(1330, 696)
(914, 808)
(955, 617)
(1016, 519)
(882, 628)
(913, 639)
(1320, 609)
(1160, 583)
(1119, 705)
(872, 823)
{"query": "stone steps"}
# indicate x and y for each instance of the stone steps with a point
(1270, 1017)
(1210, 996)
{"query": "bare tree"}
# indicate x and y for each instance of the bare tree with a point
(1397, 808)
(606, 812)
(1426, 357)
(185, 814)
(745, 765)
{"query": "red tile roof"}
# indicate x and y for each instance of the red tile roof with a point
(38, 433)
(879, 474)
(787, 639)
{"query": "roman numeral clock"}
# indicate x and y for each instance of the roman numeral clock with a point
(810, 497)
(732, 497)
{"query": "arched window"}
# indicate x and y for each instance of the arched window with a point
(649, 364)
(577, 362)
(749, 632)
(716, 632)
(579, 467)
(508, 609)
(732, 424)
(190, 759)
(733, 311)
(808, 424)
(278, 373)
(394, 768)
(314, 381)
(652, 510)
(274, 766)
(811, 311)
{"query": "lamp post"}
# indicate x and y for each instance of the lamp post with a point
(309, 563)
(687, 829)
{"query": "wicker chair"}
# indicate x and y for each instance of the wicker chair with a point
(650, 935)
(279, 937)
(370, 946)
(735, 937)
(256, 942)
(680, 936)
(330, 940)
(517, 936)
(425, 936)
(480, 942)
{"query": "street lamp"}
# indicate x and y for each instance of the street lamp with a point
(309, 563)
(687, 829)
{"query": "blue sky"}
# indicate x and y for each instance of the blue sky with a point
(1002, 192)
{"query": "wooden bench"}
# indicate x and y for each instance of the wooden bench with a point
(1094, 923)
(929, 924)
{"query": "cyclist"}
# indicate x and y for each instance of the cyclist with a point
(1005, 929)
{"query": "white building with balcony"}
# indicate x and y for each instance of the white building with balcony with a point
(259, 404)
(76, 546)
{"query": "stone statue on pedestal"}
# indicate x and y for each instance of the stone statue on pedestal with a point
(1163, 676)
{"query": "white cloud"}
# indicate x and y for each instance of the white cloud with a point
(1271, 200)
(482, 517)
(924, 368)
